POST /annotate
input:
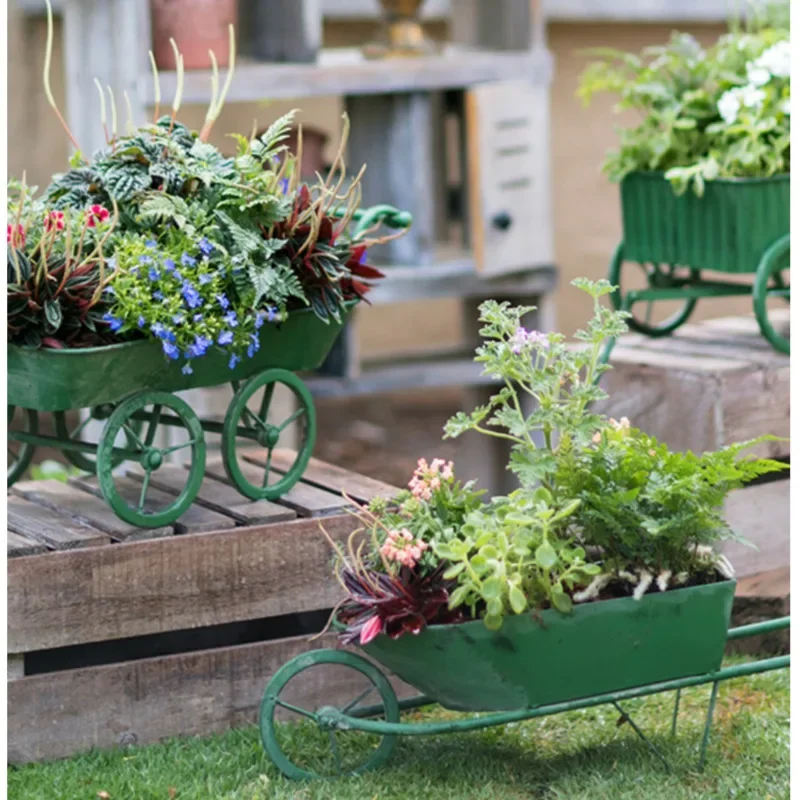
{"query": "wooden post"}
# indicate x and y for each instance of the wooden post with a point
(392, 135)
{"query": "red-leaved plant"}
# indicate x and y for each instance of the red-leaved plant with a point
(392, 592)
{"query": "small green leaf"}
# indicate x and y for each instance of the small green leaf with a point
(492, 588)
(478, 561)
(453, 571)
(517, 600)
(52, 313)
(458, 596)
(546, 556)
(493, 622)
(562, 601)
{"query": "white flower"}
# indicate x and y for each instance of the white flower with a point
(776, 59)
(728, 106)
(758, 76)
(752, 97)
(786, 106)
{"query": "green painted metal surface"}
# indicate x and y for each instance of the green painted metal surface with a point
(354, 716)
(60, 380)
(728, 229)
(241, 421)
(598, 648)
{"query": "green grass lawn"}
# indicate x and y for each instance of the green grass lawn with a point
(581, 755)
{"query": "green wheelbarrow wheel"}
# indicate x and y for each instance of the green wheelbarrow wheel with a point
(256, 426)
(312, 749)
(769, 283)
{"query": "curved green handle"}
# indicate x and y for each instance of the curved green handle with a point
(365, 218)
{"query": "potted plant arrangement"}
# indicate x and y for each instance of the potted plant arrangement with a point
(161, 265)
(705, 173)
(605, 550)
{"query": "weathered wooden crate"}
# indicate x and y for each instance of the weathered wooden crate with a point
(118, 635)
(706, 386)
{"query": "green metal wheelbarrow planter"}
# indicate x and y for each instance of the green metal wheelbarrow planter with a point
(737, 227)
(602, 653)
(131, 387)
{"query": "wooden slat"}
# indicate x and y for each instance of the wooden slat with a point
(84, 507)
(16, 666)
(196, 519)
(63, 713)
(19, 545)
(44, 525)
(328, 476)
(761, 514)
(708, 386)
(347, 72)
(217, 496)
(308, 501)
(173, 583)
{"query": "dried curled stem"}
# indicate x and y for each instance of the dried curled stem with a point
(48, 57)
(156, 86)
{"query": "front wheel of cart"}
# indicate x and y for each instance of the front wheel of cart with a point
(19, 453)
(135, 501)
(248, 421)
(769, 283)
(654, 277)
(312, 749)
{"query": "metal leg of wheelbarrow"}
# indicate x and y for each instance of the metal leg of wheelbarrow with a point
(641, 735)
(707, 731)
(675, 712)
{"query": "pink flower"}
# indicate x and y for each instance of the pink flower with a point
(522, 339)
(15, 235)
(55, 219)
(95, 213)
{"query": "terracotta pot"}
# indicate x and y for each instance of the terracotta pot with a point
(197, 27)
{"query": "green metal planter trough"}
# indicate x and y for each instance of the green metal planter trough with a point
(602, 653)
(131, 387)
(738, 227)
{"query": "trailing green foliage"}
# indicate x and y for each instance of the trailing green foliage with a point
(720, 113)
(649, 508)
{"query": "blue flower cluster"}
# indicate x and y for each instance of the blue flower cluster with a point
(188, 302)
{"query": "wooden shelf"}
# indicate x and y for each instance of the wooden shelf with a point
(396, 376)
(346, 71)
(454, 275)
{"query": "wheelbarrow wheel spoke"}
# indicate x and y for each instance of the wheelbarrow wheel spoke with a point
(245, 428)
(654, 321)
(319, 747)
(130, 502)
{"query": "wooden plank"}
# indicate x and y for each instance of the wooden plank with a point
(83, 507)
(708, 386)
(19, 545)
(347, 72)
(508, 152)
(413, 374)
(328, 476)
(16, 666)
(217, 496)
(174, 583)
(196, 519)
(63, 713)
(43, 525)
(761, 514)
(456, 276)
(307, 501)
(760, 597)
